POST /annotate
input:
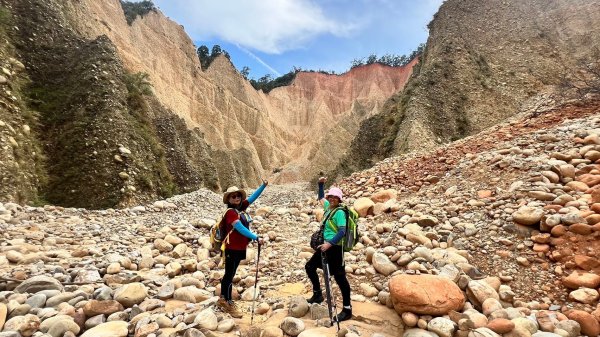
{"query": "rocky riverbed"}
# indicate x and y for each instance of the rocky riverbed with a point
(495, 235)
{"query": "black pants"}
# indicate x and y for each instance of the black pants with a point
(232, 262)
(335, 260)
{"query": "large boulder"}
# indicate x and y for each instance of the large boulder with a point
(589, 325)
(292, 326)
(298, 307)
(25, 325)
(364, 206)
(385, 195)
(383, 265)
(478, 291)
(425, 294)
(579, 279)
(207, 319)
(528, 216)
(3, 314)
(38, 283)
(418, 333)
(108, 329)
(131, 294)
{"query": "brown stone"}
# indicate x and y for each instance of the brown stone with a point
(558, 231)
(557, 241)
(596, 313)
(79, 317)
(585, 214)
(147, 329)
(580, 228)
(364, 206)
(589, 324)
(592, 219)
(3, 313)
(95, 307)
(541, 248)
(553, 207)
(425, 294)
(541, 238)
(579, 279)
(578, 186)
(596, 195)
(547, 319)
(501, 325)
(383, 196)
(595, 207)
(483, 194)
(585, 262)
(590, 180)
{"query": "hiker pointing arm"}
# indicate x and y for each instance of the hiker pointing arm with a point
(237, 226)
(234, 218)
(333, 229)
(252, 198)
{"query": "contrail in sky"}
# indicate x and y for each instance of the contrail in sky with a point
(258, 59)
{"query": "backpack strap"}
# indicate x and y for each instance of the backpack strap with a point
(226, 240)
(330, 222)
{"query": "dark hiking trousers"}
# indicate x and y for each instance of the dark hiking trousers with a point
(232, 262)
(335, 260)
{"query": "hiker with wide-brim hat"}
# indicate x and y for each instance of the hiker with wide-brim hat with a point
(236, 223)
(332, 249)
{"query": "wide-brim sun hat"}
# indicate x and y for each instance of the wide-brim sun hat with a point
(335, 192)
(231, 190)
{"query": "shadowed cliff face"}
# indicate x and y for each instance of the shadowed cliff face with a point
(486, 60)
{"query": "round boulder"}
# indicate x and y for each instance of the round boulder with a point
(292, 326)
(528, 216)
(364, 206)
(38, 283)
(425, 294)
(131, 294)
(298, 307)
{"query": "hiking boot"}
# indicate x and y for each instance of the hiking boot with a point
(317, 297)
(230, 308)
(344, 315)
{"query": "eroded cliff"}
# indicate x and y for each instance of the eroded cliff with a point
(103, 143)
(485, 61)
(259, 132)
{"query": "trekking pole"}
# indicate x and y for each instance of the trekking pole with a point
(255, 284)
(331, 305)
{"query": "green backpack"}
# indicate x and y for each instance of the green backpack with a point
(352, 235)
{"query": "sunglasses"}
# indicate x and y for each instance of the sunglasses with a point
(236, 196)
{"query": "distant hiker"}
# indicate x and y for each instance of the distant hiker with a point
(236, 223)
(333, 220)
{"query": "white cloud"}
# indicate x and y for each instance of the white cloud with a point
(270, 26)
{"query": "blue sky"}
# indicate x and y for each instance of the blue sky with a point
(273, 36)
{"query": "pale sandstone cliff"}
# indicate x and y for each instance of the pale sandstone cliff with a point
(286, 127)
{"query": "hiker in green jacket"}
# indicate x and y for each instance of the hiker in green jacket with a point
(333, 250)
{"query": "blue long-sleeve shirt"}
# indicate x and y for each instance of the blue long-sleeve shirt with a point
(252, 198)
(321, 193)
(237, 225)
(244, 231)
